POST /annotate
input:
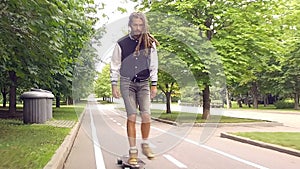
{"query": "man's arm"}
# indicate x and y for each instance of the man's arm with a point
(115, 70)
(153, 65)
(153, 71)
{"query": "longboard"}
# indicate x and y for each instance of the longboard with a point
(123, 162)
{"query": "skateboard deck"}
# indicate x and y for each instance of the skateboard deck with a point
(123, 162)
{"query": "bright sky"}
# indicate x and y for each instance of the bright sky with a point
(115, 25)
(111, 10)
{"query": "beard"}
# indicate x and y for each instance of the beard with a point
(136, 35)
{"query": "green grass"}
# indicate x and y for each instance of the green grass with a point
(67, 112)
(286, 139)
(183, 117)
(260, 107)
(28, 146)
(32, 145)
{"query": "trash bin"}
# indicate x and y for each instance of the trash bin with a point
(37, 106)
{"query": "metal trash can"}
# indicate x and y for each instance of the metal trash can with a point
(37, 106)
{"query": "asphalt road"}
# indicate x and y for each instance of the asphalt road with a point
(102, 139)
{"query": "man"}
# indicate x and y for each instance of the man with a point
(134, 62)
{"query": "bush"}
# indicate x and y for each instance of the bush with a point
(281, 104)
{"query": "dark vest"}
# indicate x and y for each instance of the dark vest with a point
(134, 67)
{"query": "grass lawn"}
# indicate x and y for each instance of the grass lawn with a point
(286, 139)
(261, 107)
(183, 117)
(32, 145)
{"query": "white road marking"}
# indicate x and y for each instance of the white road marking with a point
(214, 150)
(174, 161)
(98, 153)
(203, 146)
(227, 155)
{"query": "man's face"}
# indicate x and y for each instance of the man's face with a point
(137, 26)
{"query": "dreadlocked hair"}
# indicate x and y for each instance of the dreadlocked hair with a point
(146, 38)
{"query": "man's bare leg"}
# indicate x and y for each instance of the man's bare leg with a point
(131, 130)
(131, 133)
(145, 129)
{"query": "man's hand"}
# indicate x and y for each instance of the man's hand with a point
(153, 91)
(115, 91)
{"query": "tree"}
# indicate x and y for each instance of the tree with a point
(289, 76)
(249, 44)
(168, 77)
(257, 41)
(102, 84)
(202, 60)
(32, 41)
(177, 43)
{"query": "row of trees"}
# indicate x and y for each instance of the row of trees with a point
(40, 45)
(252, 45)
(256, 40)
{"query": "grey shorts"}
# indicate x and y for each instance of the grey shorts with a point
(136, 95)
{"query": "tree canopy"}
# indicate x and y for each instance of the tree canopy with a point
(256, 40)
(40, 42)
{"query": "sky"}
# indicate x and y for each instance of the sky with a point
(115, 25)
(111, 11)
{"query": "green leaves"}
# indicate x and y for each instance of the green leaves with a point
(102, 84)
(41, 40)
(258, 41)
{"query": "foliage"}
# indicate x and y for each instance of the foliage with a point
(282, 104)
(258, 42)
(102, 84)
(41, 40)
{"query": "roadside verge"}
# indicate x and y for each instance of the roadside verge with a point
(58, 159)
(261, 144)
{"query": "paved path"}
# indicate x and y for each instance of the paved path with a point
(102, 137)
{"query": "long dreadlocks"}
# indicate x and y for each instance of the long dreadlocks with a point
(145, 37)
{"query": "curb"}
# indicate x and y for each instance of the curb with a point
(165, 121)
(58, 159)
(261, 144)
(263, 124)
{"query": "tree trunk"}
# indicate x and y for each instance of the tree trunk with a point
(265, 100)
(168, 103)
(254, 91)
(206, 92)
(228, 100)
(12, 92)
(70, 100)
(57, 98)
(239, 102)
(206, 102)
(4, 93)
(296, 98)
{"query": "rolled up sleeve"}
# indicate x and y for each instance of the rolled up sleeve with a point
(153, 66)
(115, 65)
